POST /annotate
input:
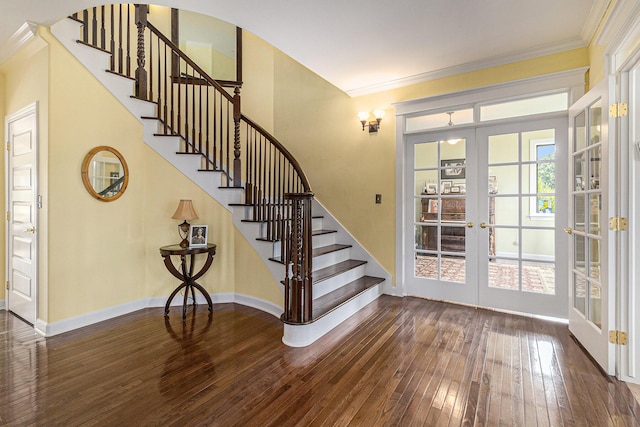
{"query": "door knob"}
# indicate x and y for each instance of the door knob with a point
(30, 230)
(483, 225)
(568, 230)
(470, 224)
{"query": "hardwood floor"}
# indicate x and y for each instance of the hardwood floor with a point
(397, 362)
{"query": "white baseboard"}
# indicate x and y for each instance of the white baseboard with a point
(66, 325)
(3, 304)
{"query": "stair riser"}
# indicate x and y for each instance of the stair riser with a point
(321, 240)
(330, 285)
(331, 258)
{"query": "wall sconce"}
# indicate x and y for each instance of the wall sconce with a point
(374, 125)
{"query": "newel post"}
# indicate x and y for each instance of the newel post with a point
(237, 164)
(298, 260)
(141, 73)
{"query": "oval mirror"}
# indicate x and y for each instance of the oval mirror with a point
(105, 174)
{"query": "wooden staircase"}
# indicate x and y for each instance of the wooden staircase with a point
(344, 277)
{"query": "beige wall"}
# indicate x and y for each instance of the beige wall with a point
(345, 166)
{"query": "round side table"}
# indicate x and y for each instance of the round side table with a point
(186, 273)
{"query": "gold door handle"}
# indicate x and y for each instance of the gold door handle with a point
(30, 230)
(470, 224)
(483, 225)
(568, 230)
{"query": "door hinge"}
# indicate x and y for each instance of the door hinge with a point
(618, 110)
(8, 146)
(618, 224)
(7, 285)
(8, 216)
(618, 337)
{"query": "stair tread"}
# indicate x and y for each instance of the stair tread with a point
(316, 251)
(256, 220)
(329, 302)
(323, 250)
(321, 232)
(336, 269)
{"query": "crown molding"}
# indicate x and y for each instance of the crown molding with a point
(596, 15)
(622, 18)
(469, 67)
(20, 38)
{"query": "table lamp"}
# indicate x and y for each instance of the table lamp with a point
(185, 212)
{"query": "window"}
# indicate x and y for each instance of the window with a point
(525, 107)
(543, 178)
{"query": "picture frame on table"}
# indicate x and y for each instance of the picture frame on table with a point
(198, 234)
(431, 188)
(446, 186)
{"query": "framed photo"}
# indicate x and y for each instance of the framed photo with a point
(198, 236)
(432, 188)
(446, 187)
(455, 189)
(462, 187)
(452, 169)
(433, 206)
(493, 185)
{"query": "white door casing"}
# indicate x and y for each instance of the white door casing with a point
(21, 207)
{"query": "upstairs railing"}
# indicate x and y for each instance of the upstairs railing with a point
(207, 116)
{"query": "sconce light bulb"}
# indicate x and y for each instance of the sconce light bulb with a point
(363, 116)
(378, 114)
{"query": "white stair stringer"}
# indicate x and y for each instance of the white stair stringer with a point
(67, 32)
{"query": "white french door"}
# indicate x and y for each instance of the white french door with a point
(522, 257)
(481, 225)
(442, 237)
(592, 245)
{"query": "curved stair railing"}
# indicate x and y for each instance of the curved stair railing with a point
(207, 117)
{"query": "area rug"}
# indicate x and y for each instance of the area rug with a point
(506, 275)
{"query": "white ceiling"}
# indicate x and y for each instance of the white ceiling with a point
(367, 45)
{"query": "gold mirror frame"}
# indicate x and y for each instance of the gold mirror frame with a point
(85, 173)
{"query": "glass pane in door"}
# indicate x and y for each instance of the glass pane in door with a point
(587, 208)
(522, 211)
(440, 210)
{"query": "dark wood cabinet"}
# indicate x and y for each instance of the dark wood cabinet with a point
(453, 238)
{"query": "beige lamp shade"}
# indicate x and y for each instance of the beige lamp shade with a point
(185, 211)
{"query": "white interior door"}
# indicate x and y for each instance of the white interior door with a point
(21, 181)
(522, 254)
(592, 189)
(441, 236)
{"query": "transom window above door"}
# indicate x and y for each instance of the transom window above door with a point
(489, 112)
